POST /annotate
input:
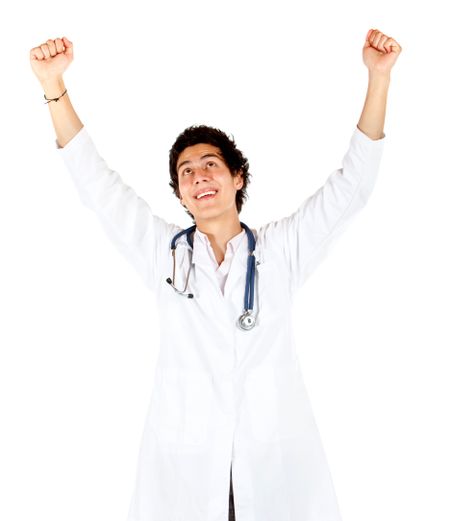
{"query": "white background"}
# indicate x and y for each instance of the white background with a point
(78, 328)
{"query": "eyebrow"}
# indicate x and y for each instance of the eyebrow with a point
(203, 157)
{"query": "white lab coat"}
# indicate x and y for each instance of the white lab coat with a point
(224, 396)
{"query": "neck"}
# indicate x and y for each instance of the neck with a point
(220, 232)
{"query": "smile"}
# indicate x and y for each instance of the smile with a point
(207, 196)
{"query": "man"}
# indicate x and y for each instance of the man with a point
(226, 398)
(207, 153)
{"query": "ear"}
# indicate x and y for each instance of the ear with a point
(239, 181)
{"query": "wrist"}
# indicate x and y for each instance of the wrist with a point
(379, 77)
(53, 87)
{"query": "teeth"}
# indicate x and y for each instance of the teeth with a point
(206, 193)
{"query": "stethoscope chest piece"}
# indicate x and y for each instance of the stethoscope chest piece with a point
(246, 321)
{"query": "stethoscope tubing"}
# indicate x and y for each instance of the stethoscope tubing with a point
(246, 321)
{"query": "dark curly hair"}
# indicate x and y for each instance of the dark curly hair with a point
(232, 156)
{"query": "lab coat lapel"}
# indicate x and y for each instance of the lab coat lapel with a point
(200, 255)
(236, 275)
(236, 280)
(202, 265)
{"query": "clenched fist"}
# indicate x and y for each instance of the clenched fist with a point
(51, 59)
(380, 52)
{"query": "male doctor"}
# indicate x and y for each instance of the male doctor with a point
(225, 397)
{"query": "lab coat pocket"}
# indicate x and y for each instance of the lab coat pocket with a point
(271, 293)
(266, 276)
(274, 403)
(182, 406)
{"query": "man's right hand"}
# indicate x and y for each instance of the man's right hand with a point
(51, 59)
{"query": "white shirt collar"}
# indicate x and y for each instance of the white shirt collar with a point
(232, 243)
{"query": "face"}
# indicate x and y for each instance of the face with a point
(202, 168)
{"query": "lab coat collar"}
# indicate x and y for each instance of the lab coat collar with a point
(240, 249)
(199, 255)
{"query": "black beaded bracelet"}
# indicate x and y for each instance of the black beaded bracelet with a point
(54, 99)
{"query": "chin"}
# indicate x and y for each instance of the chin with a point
(207, 213)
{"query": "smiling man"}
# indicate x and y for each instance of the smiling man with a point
(209, 175)
(230, 433)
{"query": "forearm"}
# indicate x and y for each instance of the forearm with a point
(65, 120)
(373, 115)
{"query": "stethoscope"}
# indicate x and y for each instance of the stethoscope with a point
(246, 321)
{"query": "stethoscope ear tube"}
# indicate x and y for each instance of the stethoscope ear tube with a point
(188, 295)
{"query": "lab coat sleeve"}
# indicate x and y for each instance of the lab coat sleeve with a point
(126, 218)
(308, 235)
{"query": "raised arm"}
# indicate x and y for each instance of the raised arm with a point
(306, 236)
(139, 235)
(380, 52)
(49, 61)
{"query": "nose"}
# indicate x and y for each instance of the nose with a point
(200, 174)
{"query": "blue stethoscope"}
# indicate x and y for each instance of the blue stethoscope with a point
(246, 321)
